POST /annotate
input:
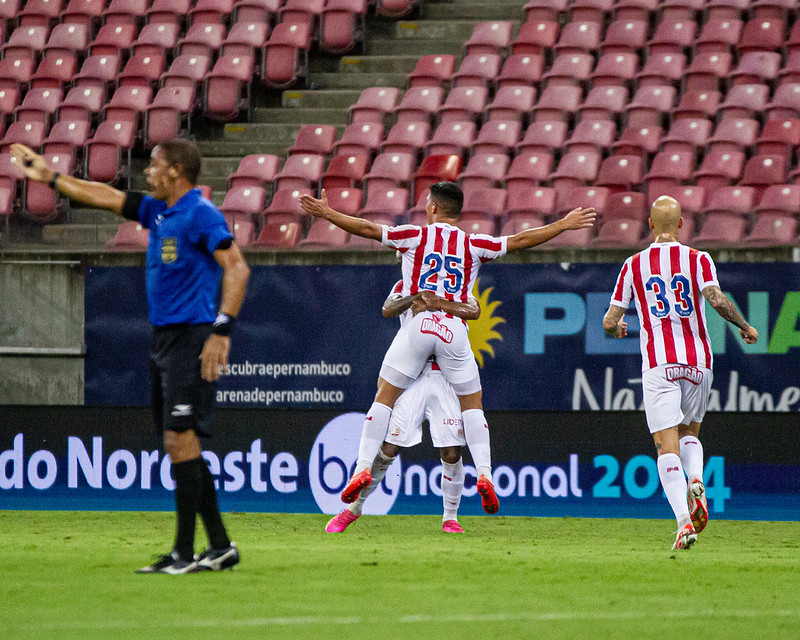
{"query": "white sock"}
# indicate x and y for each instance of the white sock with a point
(379, 467)
(374, 431)
(452, 484)
(692, 457)
(670, 471)
(476, 432)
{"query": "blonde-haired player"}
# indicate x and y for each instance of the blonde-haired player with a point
(666, 281)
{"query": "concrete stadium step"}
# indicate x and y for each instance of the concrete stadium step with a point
(378, 64)
(88, 216)
(220, 148)
(358, 80)
(459, 30)
(300, 115)
(218, 169)
(274, 133)
(406, 46)
(320, 99)
(89, 235)
(473, 10)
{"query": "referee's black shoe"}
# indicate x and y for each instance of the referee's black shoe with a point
(170, 563)
(217, 559)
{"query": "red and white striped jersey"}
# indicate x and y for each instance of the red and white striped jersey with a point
(666, 281)
(441, 258)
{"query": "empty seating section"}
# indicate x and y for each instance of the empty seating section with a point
(604, 103)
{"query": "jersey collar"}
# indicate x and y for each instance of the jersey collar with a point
(185, 202)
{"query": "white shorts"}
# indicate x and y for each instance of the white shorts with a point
(428, 334)
(431, 397)
(675, 394)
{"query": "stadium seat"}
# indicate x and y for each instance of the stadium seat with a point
(25, 41)
(10, 179)
(772, 231)
(615, 70)
(681, 9)
(719, 169)
(536, 37)
(542, 136)
(345, 171)
(592, 135)
(202, 39)
(342, 26)
(576, 239)
(517, 223)
(300, 171)
(620, 173)
(687, 134)
(246, 39)
(618, 233)
(569, 69)
(186, 71)
(668, 169)
(552, 10)
(779, 200)
(557, 103)
(604, 103)
(511, 103)
(756, 67)
(347, 200)
(497, 136)
(255, 170)
(31, 134)
(662, 69)
(113, 40)
(726, 9)
(484, 171)
(645, 141)
(521, 69)
(785, 103)
(579, 37)
(477, 226)
(390, 170)
(692, 199)
(672, 36)
(419, 104)
(744, 101)
(484, 203)
(130, 235)
(360, 139)
(255, 11)
(708, 71)
(650, 106)
(156, 39)
(314, 138)
(85, 13)
(103, 159)
(698, 104)
(55, 71)
(125, 12)
(226, 88)
(591, 10)
(243, 203)
(15, 72)
(406, 137)
(385, 200)
(624, 36)
(529, 169)
(168, 116)
(591, 196)
(719, 35)
(731, 200)
(490, 37)
(734, 134)
(127, 103)
(478, 70)
(779, 137)
(67, 138)
(210, 11)
(463, 103)
(142, 70)
(39, 201)
(451, 138)
(435, 168)
(301, 12)
(279, 234)
(38, 105)
(539, 202)
(286, 55)
(324, 235)
(285, 205)
(375, 104)
(626, 205)
(720, 230)
(575, 170)
(762, 35)
(761, 171)
(98, 71)
(418, 214)
(67, 39)
(432, 71)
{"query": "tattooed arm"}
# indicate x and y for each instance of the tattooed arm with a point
(724, 307)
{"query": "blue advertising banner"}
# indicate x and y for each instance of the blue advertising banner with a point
(314, 337)
(272, 460)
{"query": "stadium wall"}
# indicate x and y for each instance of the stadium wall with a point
(571, 464)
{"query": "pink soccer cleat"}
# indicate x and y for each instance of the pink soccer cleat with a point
(489, 499)
(357, 483)
(698, 507)
(341, 521)
(686, 538)
(451, 526)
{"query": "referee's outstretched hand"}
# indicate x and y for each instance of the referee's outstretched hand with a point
(214, 356)
(30, 163)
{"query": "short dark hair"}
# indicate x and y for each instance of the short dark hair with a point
(184, 153)
(449, 197)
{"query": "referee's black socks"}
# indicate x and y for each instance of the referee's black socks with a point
(188, 490)
(209, 511)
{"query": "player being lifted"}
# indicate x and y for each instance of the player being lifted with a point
(445, 260)
(430, 396)
(666, 281)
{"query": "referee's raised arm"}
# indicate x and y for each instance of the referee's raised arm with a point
(97, 194)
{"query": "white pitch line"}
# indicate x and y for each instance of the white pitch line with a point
(300, 621)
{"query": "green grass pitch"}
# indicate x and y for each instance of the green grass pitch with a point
(70, 575)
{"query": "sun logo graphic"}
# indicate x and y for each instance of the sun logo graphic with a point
(482, 331)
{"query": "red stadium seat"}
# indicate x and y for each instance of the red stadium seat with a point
(529, 169)
(762, 35)
(687, 134)
(673, 36)
(142, 70)
(286, 55)
(626, 205)
(719, 35)
(546, 10)
(497, 136)
(279, 234)
(698, 104)
(779, 200)
(761, 171)
(245, 39)
(390, 170)
(521, 69)
(604, 103)
(67, 138)
(255, 170)
(419, 104)
(731, 200)
(744, 101)
(720, 230)
(543, 136)
(210, 11)
(67, 39)
(579, 37)
(103, 160)
(39, 105)
(575, 170)
(755, 67)
(619, 233)
(39, 201)
(463, 103)
(591, 196)
(360, 139)
(314, 138)
(300, 171)
(186, 71)
(620, 173)
(168, 116)
(719, 169)
(592, 135)
(125, 12)
(345, 171)
(624, 36)
(557, 103)
(83, 12)
(385, 201)
(772, 232)
(202, 39)
(374, 105)
(55, 71)
(249, 11)
(650, 106)
(569, 69)
(130, 235)
(785, 103)
(511, 103)
(243, 203)
(644, 141)
(779, 137)
(662, 69)
(432, 71)
(156, 39)
(324, 235)
(285, 205)
(395, 8)
(226, 88)
(537, 202)
(484, 171)
(692, 199)
(98, 71)
(301, 12)
(10, 179)
(25, 41)
(536, 36)
(128, 103)
(484, 203)
(435, 168)
(615, 69)
(708, 71)
(113, 40)
(478, 70)
(726, 9)
(451, 138)
(490, 37)
(668, 169)
(31, 134)
(517, 223)
(591, 10)
(347, 200)
(477, 226)
(406, 137)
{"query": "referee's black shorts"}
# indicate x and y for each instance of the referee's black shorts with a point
(181, 399)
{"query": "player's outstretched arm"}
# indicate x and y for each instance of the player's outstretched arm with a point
(613, 324)
(96, 194)
(576, 219)
(724, 307)
(356, 226)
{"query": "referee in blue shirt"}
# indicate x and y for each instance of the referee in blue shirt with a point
(190, 252)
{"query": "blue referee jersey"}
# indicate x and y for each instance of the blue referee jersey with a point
(182, 276)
